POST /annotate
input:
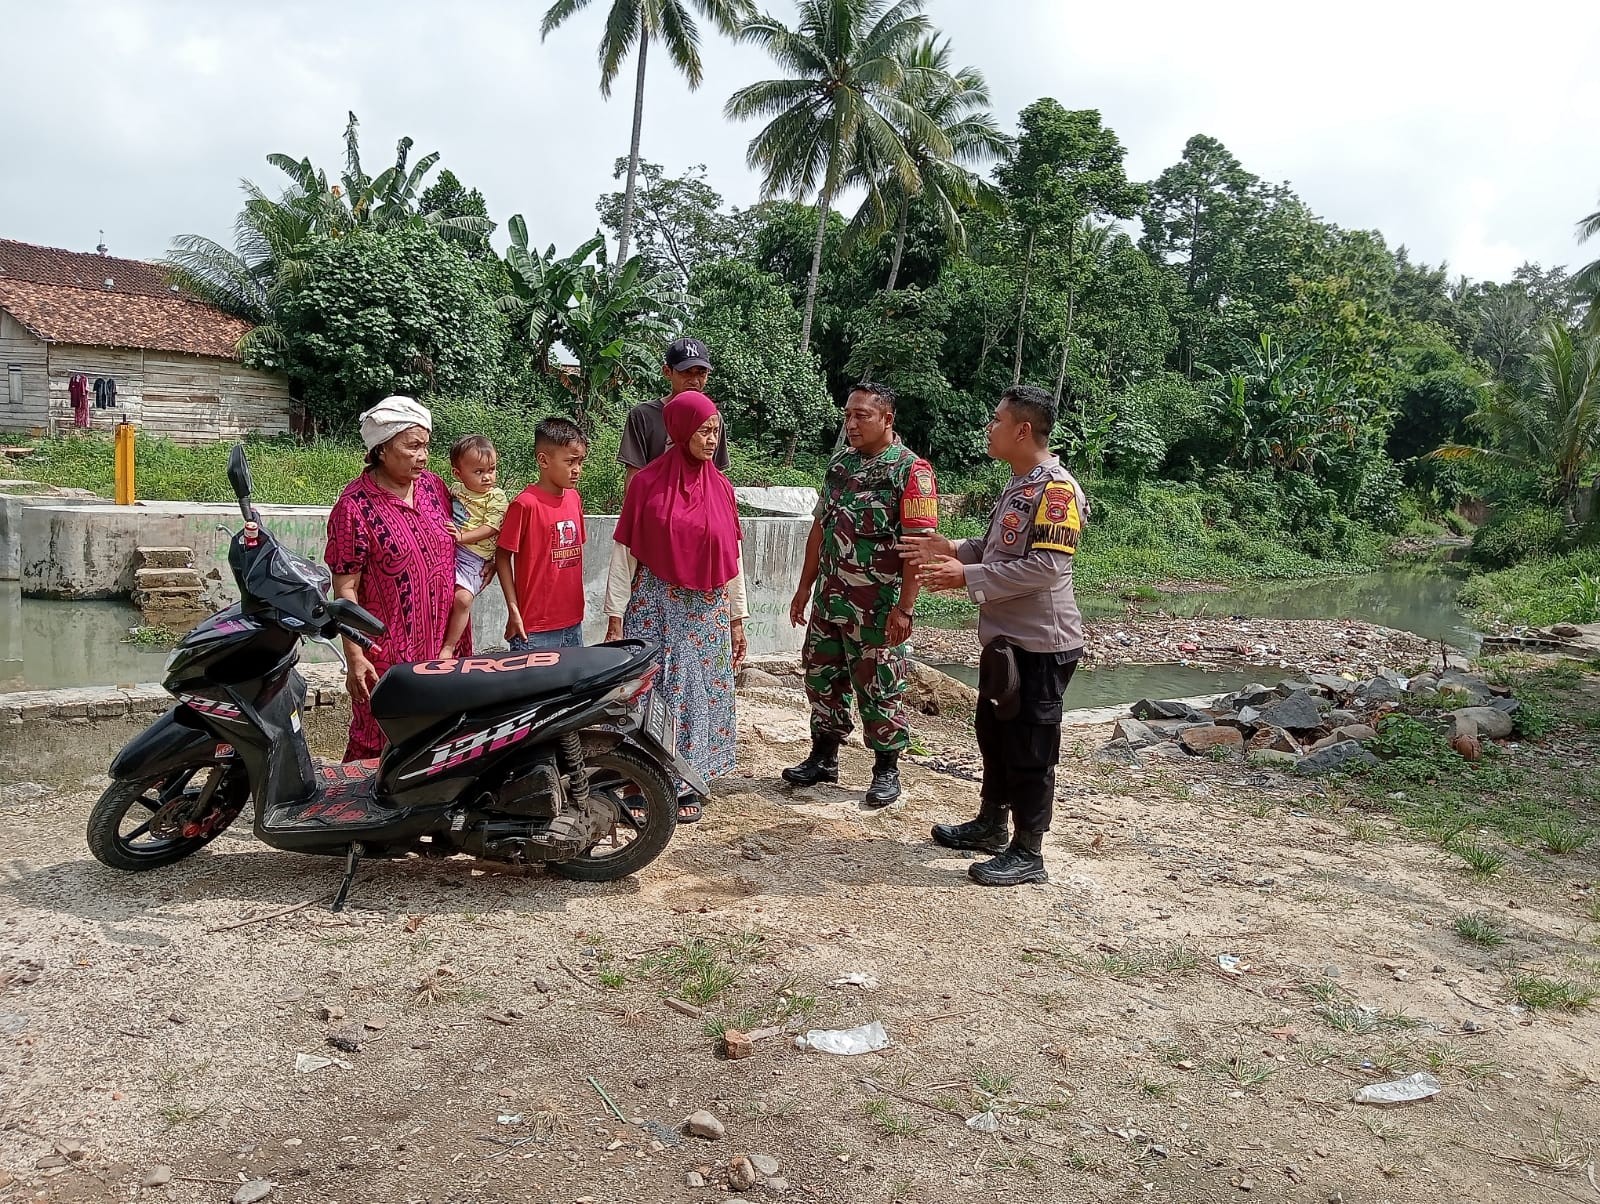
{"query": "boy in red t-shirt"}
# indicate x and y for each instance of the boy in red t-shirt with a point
(540, 554)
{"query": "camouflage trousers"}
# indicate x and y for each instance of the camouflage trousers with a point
(841, 659)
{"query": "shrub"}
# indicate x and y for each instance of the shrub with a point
(1531, 533)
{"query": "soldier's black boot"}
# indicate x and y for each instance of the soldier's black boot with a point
(988, 833)
(885, 787)
(821, 766)
(1021, 863)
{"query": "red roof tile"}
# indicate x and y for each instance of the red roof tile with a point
(63, 297)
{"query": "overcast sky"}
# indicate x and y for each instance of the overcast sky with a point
(1470, 138)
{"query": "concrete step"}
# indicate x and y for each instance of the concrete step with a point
(156, 599)
(165, 558)
(16, 453)
(184, 579)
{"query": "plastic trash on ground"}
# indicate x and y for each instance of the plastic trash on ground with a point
(307, 1063)
(1401, 1091)
(984, 1122)
(866, 1038)
(1230, 963)
(857, 978)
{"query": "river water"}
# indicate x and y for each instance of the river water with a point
(46, 644)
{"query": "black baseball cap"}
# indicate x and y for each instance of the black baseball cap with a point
(688, 353)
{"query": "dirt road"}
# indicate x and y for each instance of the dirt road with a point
(145, 1026)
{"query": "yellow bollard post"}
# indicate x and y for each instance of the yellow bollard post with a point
(124, 459)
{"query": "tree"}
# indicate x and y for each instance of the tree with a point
(1549, 426)
(1586, 284)
(1197, 220)
(1065, 169)
(613, 322)
(450, 198)
(957, 103)
(677, 220)
(385, 311)
(846, 61)
(631, 25)
(769, 391)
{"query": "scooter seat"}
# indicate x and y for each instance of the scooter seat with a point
(483, 683)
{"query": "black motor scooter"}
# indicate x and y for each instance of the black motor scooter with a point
(565, 758)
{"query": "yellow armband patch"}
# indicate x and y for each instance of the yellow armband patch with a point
(1057, 523)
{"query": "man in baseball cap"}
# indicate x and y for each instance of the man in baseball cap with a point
(644, 436)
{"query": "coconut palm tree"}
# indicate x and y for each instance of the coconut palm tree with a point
(845, 62)
(958, 105)
(1587, 282)
(633, 25)
(1550, 425)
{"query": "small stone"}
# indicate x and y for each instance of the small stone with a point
(376, 1024)
(1331, 971)
(330, 1011)
(1336, 1197)
(157, 1176)
(177, 1017)
(737, 1045)
(347, 1037)
(256, 1189)
(1361, 733)
(694, 1179)
(49, 1161)
(741, 1174)
(765, 1164)
(422, 1045)
(541, 986)
(704, 1124)
(777, 1185)
(640, 1083)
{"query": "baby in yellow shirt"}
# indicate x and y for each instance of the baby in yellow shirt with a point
(479, 511)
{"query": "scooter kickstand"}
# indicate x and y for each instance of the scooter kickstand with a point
(351, 860)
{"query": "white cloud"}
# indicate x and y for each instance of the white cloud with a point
(1461, 133)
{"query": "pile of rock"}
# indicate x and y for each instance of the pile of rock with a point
(1316, 725)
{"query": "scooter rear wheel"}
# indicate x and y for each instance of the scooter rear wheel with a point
(623, 778)
(145, 824)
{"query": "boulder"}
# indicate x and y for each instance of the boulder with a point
(1378, 689)
(1289, 687)
(1200, 740)
(1509, 705)
(1454, 681)
(1567, 631)
(1137, 734)
(1337, 718)
(1361, 733)
(1337, 758)
(1488, 723)
(1296, 712)
(1273, 739)
(1426, 684)
(930, 692)
(1332, 684)
(1118, 752)
(1147, 708)
(1252, 696)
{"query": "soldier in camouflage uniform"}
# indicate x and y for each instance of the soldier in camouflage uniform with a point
(861, 594)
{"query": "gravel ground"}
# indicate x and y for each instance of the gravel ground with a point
(152, 1023)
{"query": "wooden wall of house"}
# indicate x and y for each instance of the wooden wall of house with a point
(19, 347)
(185, 398)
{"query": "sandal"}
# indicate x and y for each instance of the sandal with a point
(636, 812)
(688, 809)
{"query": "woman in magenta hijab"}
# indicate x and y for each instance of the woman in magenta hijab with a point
(676, 578)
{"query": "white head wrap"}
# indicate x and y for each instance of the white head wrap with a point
(391, 416)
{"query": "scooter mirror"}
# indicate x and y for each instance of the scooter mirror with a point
(239, 478)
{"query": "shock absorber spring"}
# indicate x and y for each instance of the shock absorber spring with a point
(572, 765)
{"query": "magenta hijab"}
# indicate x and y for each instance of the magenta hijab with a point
(679, 518)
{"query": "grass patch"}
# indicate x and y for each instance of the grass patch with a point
(1244, 1073)
(1483, 862)
(1481, 929)
(1538, 992)
(702, 970)
(889, 1121)
(1147, 961)
(1562, 838)
(1537, 593)
(151, 639)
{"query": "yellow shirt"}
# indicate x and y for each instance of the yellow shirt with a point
(483, 510)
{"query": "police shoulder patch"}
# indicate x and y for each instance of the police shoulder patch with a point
(1057, 523)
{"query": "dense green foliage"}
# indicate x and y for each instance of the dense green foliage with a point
(1247, 389)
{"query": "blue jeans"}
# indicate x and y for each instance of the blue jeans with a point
(546, 641)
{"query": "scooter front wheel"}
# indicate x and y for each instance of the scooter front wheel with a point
(144, 824)
(631, 784)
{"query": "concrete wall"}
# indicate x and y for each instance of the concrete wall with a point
(79, 550)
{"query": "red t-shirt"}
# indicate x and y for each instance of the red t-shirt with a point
(545, 536)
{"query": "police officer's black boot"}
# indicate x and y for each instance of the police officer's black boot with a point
(821, 766)
(987, 834)
(1021, 863)
(885, 787)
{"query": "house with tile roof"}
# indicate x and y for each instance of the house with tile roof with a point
(89, 340)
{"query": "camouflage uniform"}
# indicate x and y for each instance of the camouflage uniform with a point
(867, 504)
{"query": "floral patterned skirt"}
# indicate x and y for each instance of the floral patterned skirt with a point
(696, 638)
